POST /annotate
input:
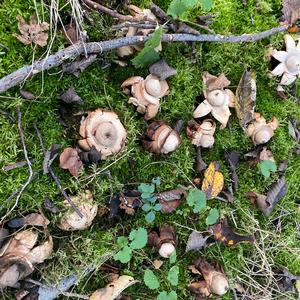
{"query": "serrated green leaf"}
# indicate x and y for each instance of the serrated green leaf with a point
(148, 55)
(122, 241)
(173, 275)
(151, 280)
(206, 4)
(156, 181)
(173, 257)
(138, 238)
(152, 199)
(146, 207)
(146, 196)
(212, 217)
(178, 7)
(266, 167)
(146, 188)
(123, 255)
(196, 199)
(150, 216)
(165, 296)
(157, 207)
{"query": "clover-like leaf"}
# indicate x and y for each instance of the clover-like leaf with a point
(138, 238)
(123, 255)
(178, 8)
(151, 280)
(197, 200)
(150, 216)
(165, 296)
(212, 217)
(173, 257)
(266, 167)
(122, 241)
(173, 275)
(206, 4)
(157, 207)
(146, 188)
(146, 207)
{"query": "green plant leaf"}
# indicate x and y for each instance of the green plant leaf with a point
(212, 217)
(122, 241)
(157, 207)
(196, 199)
(156, 181)
(173, 275)
(139, 238)
(151, 280)
(173, 257)
(146, 196)
(150, 216)
(146, 207)
(165, 296)
(152, 199)
(146, 188)
(178, 7)
(266, 167)
(206, 4)
(148, 55)
(123, 255)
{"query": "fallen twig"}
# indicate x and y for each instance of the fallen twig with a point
(54, 177)
(12, 166)
(30, 177)
(78, 49)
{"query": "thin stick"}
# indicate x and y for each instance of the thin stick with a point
(54, 177)
(78, 49)
(30, 177)
(18, 164)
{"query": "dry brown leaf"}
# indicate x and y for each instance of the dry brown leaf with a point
(157, 264)
(170, 200)
(33, 32)
(113, 289)
(196, 241)
(213, 181)
(33, 219)
(246, 98)
(223, 233)
(70, 160)
(290, 11)
(130, 201)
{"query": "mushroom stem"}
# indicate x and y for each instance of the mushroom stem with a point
(200, 164)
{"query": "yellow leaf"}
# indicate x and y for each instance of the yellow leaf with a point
(213, 181)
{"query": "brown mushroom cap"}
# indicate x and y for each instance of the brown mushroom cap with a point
(103, 130)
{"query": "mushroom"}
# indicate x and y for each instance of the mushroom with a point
(214, 280)
(260, 131)
(289, 66)
(165, 241)
(160, 138)
(18, 256)
(104, 130)
(146, 93)
(70, 160)
(217, 99)
(202, 135)
(138, 14)
(72, 221)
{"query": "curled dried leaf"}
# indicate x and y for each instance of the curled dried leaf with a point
(27, 95)
(170, 200)
(290, 11)
(196, 241)
(33, 219)
(162, 70)
(70, 160)
(213, 181)
(70, 96)
(130, 201)
(223, 233)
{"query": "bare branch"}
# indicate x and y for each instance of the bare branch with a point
(78, 49)
(13, 166)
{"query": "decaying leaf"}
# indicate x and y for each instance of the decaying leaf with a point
(157, 264)
(164, 241)
(3, 235)
(196, 241)
(162, 70)
(130, 201)
(294, 129)
(73, 34)
(70, 96)
(72, 221)
(78, 66)
(286, 280)
(223, 233)
(33, 219)
(70, 160)
(90, 157)
(170, 200)
(233, 160)
(50, 206)
(246, 98)
(19, 255)
(213, 181)
(290, 11)
(214, 280)
(27, 95)
(33, 32)
(267, 203)
(113, 289)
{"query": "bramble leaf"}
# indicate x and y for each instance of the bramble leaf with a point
(138, 238)
(173, 275)
(212, 217)
(123, 255)
(151, 280)
(266, 167)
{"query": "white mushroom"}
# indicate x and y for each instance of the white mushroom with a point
(146, 93)
(166, 250)
(218, 283)
(218, 100)
(104, 130)
(289, 66)
(260, 131)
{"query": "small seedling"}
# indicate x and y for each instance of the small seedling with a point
(197, 200)
(138, 238)
(266, 167)
(149, 199)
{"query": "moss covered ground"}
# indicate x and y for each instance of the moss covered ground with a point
(99, 86)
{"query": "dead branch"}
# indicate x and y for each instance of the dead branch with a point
(30, 177)
(53, 175)
(78, 49)
(13, 166)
